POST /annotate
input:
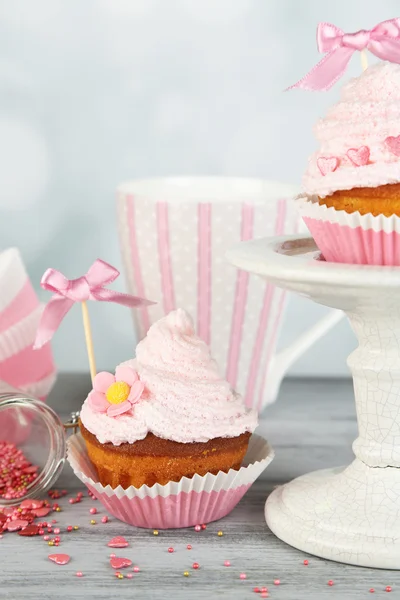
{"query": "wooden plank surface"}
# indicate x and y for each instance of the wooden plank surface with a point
(311, 426)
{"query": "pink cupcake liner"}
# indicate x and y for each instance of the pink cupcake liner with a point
(352, 238)
(184, 503)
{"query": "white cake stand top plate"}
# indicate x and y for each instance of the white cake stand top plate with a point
(295, 263)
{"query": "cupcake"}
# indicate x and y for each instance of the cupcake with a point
(166, 415)
(351, 203)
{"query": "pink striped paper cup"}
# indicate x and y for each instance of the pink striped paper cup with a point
(174, 235)
(30, 371)
(351, 237)
(184, 503)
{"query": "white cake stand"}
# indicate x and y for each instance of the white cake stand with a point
(350, 514)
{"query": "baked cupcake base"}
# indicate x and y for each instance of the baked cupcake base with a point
(380, 200)
(156, 460)
(176, 504)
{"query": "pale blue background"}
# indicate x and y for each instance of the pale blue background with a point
(96, 92)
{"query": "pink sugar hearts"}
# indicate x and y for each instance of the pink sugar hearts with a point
(118, 542)
(40, 512)
(60, 559)
(120, 563)
(359, 156)
(16, 525)
(29, 531)
(393, 143)
(327, 164)
(31, 504)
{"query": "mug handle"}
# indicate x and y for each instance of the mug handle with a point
(284, 359)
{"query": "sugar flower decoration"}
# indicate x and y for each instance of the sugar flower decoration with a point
(115, 395)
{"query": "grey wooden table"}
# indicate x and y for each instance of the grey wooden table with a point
(311, 426)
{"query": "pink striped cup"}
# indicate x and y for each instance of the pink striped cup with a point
(174, 234)
(30, 371)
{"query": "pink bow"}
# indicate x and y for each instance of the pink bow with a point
(68, 291)
(383, 41)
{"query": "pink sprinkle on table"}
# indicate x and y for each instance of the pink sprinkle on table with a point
(120, 563)
(29, 531)
(28, 504)
(41, 512)
(60, 559)
(118, 542)
(16, 525)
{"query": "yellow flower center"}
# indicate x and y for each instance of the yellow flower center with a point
(118, 392)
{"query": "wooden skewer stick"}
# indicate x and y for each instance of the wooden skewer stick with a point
(364, 59)
(89, 340)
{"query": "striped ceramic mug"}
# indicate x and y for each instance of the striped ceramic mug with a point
(174, 234)
(30, 371)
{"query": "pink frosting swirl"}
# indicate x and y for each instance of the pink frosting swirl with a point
(368, 113)
(185, 398)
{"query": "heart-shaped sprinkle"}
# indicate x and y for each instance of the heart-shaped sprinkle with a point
(40, 512)
(359, 156)
(28, 516)
(118, 542)
(29, 531)
(31, 504)
(120, 563)
(327, 164)
(15, 525)
(393, 143)
(60, 559)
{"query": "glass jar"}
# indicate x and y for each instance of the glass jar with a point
(39, 433)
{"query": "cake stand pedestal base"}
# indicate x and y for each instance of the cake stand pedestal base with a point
(348, 514)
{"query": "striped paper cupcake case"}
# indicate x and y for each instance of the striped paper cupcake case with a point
(352, 238)
(176, 504)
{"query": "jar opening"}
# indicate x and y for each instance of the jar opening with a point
(32, 447)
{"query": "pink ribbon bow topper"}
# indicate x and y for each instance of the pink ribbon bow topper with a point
(383, 41)
(68, 291)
